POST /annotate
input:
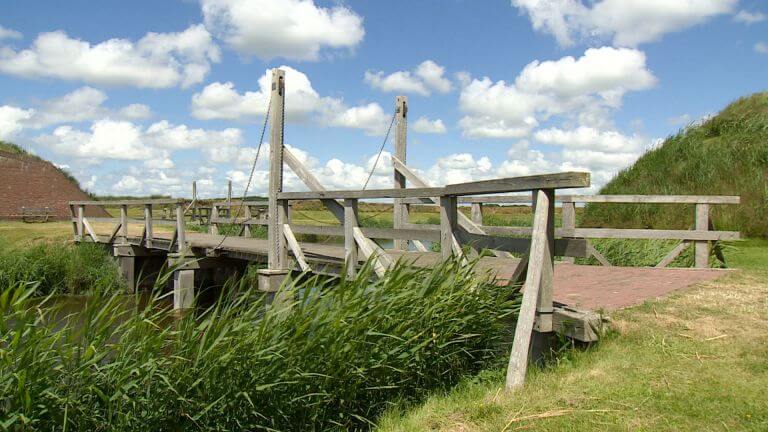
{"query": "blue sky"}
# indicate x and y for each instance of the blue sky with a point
(145, 96)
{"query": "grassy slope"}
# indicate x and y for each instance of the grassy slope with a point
(726, 155)
(695, 361)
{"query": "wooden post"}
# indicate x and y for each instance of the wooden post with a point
(229, 191)
(181, 234)
(477, 213)
(401, 210)
(448, 224)
(124, 224)
(350, 246)
(213, 224)
(275, 238)
(569, 222)
(148, 225)
(80, 216)
(702, 247)
(247, 215)
(518, 358)
(544, 306)
(195, 215)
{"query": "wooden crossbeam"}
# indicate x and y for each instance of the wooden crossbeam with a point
(381, 261)
(90, 231)
(295, 248)
(674, 253)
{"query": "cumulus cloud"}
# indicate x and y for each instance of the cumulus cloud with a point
(585, 88)
(585, 137)
(12, 120)
(6, 33)
(302, 103)
(292, 29)
(426, 78)
(123, 140)
(427, 126)
(747, 17)
(761, 48)
(158, 60)
(625, 22)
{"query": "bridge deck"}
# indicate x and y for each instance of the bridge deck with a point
(585, 287)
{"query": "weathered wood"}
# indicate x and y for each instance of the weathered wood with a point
(518, 359)
(620, 199)
(183, 289)
(381, 261)
(701, 248)
(80, 217)
(649, 234)
(674, 253)
(350, 245)
(248, 216)
(564, 247)
(113, 235)
(229, 191)
(295, 248)
(90, 231)
(518, 184)
(598, 256)
(238, 203)
(275, 235)
(312, 183)
(148, 232)
(377, 233)
(569, 221)
(583, 326)
(181, 235)
(418, 245)
(476, 213)
(124, 223)
(543, 322)
(400, 209)
(362, 194)
(449, 244)
(128, 202)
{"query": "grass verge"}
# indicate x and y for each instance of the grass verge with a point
(697, 360)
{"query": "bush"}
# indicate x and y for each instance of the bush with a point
(57, 268)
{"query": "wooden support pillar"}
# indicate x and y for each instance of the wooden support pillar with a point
(400, 216)
(477, 213)
(183, 289)
(80, 217)
(448, 225)
(128, 269)
(195, 214)
(213, 225)
(148, 234)
(701, 255)
(542, 338)
(569, 222)
(181, 228)
(350, 246)
(124, 224)
(519, 356)
(277, 256)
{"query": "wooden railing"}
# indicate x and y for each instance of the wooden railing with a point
(82, 227)
(700, 236)
(248, 213)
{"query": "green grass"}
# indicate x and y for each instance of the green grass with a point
(333, 359)
(726, 155)
(59, 268)
(697, 360)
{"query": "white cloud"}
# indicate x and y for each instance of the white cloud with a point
(586, 88)
(128, 184)
(626, 22)
(135, 112)
(427, 126)
(761, 48)
(12, 120)
(747, 17)
(165, 135)
(302, 103)
(6, 33)
(293, 29)
(158, 60)
(681, 120)
(585, 137)
(427, 77)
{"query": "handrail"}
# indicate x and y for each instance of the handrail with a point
(622, 199)
(129, 202)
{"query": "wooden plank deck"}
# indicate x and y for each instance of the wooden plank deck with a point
(583, 287)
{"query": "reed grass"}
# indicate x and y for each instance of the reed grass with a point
(333, 358)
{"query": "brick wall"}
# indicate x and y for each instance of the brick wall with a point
(29, 182)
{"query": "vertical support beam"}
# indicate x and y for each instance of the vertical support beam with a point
(80, 216)
(518, 358)
(183, 289)
(213, 224)
(275, 238)
(128, 269)
(401, 134)
(229, 191)
(448, 224)
(148, 234)
(544, 306)
(350, 246)
(569, 222)
(181, 227)
(477, 213)
(124, 224)
(195, 214)
(246, 218)
(702, 247)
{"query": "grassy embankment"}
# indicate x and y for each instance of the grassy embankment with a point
(697, 360)
(725, 155)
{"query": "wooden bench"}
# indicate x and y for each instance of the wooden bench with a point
(36, 214)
